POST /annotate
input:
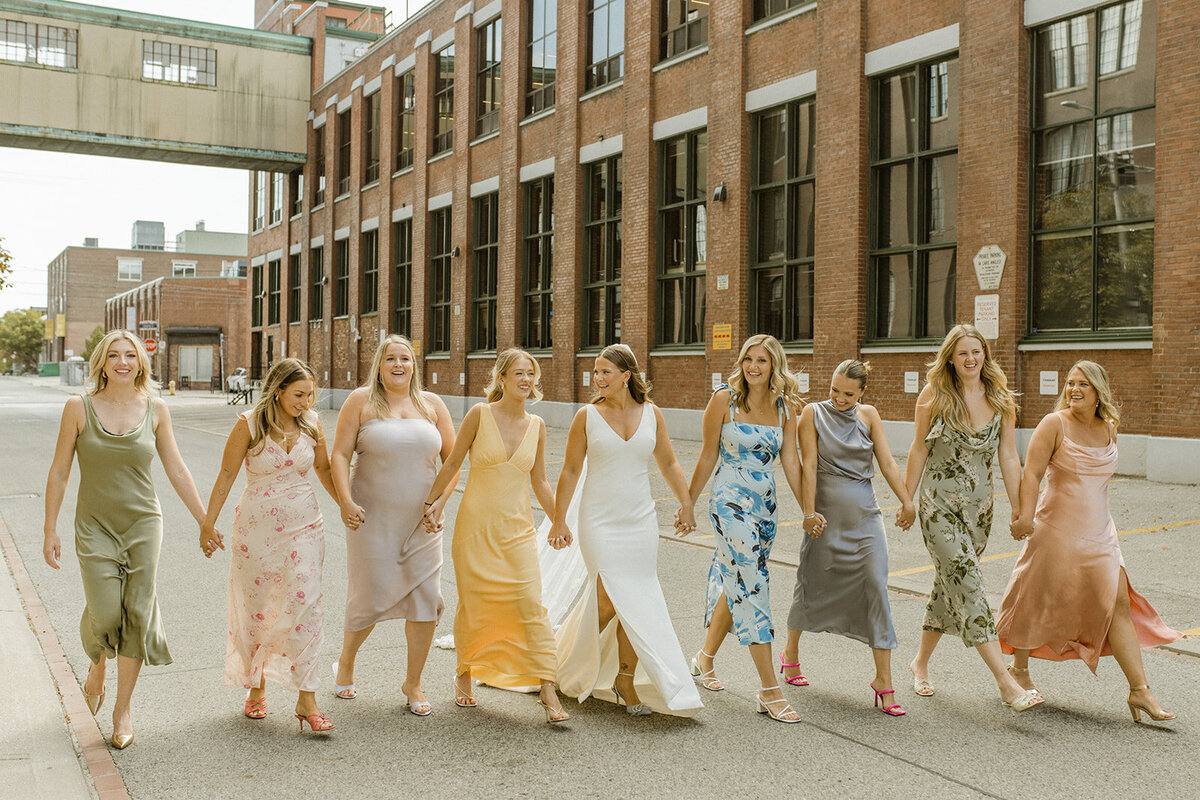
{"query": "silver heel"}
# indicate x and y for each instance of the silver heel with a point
(639, 710)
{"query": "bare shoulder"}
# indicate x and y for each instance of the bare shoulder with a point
(160, 407)
(869, 412)
(357, 399)
(926, 395)
(74, 406)
(806, 413)
(435, 400)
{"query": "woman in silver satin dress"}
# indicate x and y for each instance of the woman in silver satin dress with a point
(841, 583)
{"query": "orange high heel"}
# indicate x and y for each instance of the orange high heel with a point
(318, 722)
(255, 709)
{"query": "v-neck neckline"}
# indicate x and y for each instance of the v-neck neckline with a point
(500, 435)
(283, 449)
(637, 428)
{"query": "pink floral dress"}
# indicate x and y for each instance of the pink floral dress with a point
(277, 549)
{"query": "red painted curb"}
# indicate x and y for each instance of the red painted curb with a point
(106, 779)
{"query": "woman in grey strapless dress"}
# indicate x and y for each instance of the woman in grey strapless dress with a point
(841, 583)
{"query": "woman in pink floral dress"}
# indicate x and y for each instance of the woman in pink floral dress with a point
(274, 611)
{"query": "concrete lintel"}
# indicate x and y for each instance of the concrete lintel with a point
(405, 64)
(369, 224)
(782, 91)
(275, 254)
(317, 241)
(538, 169)
(443, 39)
(464, 11)
(918, 48)
(357, 82)
(485, 186)
(486, 14)
(372, 86)
(681, 123)
(331, 101)
(402, 213)
(295, 249)
(258, 261)
(344, 104)
(440, 201)
(423, 38)
(387, 62)
(341, 233)
(1039, 11)
(319, 120)
(601, 149)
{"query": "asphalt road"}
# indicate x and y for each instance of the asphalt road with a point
(193, 742)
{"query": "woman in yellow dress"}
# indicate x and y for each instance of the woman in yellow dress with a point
(501, 630)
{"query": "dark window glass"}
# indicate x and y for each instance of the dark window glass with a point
(484, 262)
(684, 26)
(782, 201)
(439, 281)
(769, 8)
(682, 238)
(294, 281)
(443, 102)
(913, 201)
(1094, 165)
(606, 42)
(487, 79)
(341, 278)
(318, 166)
(316, 290)
(371, 138)
(343, 157)
(369, 296)
(542, 55)
(538, 263)
(602, 253)
(406, 129)
(296, 190)
(402, 282)
(257, 296)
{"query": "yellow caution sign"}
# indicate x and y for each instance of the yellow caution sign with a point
(722, 337)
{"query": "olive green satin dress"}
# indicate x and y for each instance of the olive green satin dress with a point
(118, 535)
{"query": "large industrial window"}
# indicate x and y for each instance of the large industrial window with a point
(1092, 254)
(439, 281)
(260, 200)
(296, 190)
(913, 201)
(316, 290)
(406, 129)
(341, 278)
(276, 198)
(402, 281)
(782, 199)
(46, 45)
(485, 258)
(371, 138)
(538, 263)
(602, 253)
(343, 152)
(129, 269)
(318, 166)
(273, 291)
(256, 296)
(179, 63)
(443, 102)
(769, 8)
(369, 295)
(542, 55)
(684, 26)
(487, 79)
(293, 311)
(606, 42)
(183, 269)
(682, 238)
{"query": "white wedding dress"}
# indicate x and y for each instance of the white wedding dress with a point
(617, 535)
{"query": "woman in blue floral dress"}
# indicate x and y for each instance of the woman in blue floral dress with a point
(749, 423)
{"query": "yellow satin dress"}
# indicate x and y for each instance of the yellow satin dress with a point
(501, 629)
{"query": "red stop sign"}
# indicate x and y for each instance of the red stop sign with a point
(151, 345)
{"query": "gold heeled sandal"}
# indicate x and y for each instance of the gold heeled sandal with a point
(1136, 708)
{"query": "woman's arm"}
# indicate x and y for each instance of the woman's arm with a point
(1045, 441)
(710, 427)
(664, 454)
(321, 461)
(445, 426)
(891, 471)
(560, 535)
(345, 437)
(435, 501)
(60, 472)
(231, 464)
(814, 522)
(918, 451)
(537, 476)
(1010, 463)
(789, 456)
(172, 461)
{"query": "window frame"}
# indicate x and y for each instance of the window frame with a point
(691, 276)
(488, 76)
(611, 68)
(295, 278)
(164, 57)
(296, 190)
(762, 9)
(368, 295)
(125, 270)
(260, 201)
(37, 43)
(540, 97)
(256, 295)
(609, 227)
(274, 278)
(402, 256)
(345, 135)
(695, 28)
(317, 281)
(440, 271)
(371, 130)
(443, 101)
(277, 197)
(543, 234)
(183, 269)
(341, 278)
(406, 118)
(485, 261)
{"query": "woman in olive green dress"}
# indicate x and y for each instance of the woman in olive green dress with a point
(115, 429)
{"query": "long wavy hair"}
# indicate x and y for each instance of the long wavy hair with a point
(505, 362)
(621, 356)
(1107, 409)
(782, 384)
(948, 401)
(266, 415)
(143, 383)
(377, 399)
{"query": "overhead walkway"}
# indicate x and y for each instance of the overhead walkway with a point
(85, 79)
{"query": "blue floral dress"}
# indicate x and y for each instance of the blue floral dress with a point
(742, 510)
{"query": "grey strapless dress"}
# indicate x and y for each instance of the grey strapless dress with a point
(841, 583)
(393, 565)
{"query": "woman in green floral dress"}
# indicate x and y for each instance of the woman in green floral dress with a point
(964, 415)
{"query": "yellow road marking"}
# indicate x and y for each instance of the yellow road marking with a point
(1192, 632)
(993, 557)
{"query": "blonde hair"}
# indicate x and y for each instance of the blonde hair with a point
(621, 356)
(948, 402)
(143, 383)
(505, 362)
(854, 370)
(782, 384)
(265, 415)
(377, 400)
(1107, 408)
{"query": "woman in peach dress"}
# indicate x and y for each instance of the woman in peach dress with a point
(274, 608)
(1069, 596)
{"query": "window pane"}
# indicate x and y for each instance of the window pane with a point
(598, 185)
(768, 290)
(772, 224)
(803, 212)
(893, 302)
(700, 236)
(802, 303)
(897, 115)
(595, 243)
(894, 224)
(1062, 286)
(1125, 166)
(1127, 55)
(942, 88)
(1062, 195)
(806, 137)
(700, 186)
(941, 192)
(1062, 71)
(673, 240)
(772, 147)
(940, 272)
(1124, 276)
(675, 171)
(672, 310)
(698, 298)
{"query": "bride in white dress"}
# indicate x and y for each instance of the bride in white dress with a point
(617, 642)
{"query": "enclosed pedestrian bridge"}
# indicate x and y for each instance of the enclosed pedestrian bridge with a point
(84, 79)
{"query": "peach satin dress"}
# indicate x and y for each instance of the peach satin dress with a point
(1059, 600)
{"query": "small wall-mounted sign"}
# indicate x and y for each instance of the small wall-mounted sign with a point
(912, 382)
(1048, 382)
(722, 337)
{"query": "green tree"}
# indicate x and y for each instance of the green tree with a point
(92, 340)
(5, 267)
(21, 338)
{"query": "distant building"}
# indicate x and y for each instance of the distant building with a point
(201, 334)
(80, 279)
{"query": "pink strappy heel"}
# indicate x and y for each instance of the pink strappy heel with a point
(894, 710)
(795, 680)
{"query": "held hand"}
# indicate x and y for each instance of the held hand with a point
(559, 536)
(814, 526)
(210, 540)
(52, 549)
(353, 515)
(685, 521)
(434, 516)
(1020, 529)
(906, 516)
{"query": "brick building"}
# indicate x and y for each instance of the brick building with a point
(677, 175)
(202, 334)
(80, 279)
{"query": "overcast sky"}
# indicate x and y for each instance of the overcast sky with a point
(51, 200)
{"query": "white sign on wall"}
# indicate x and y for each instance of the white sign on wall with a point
(587, 378)
(722, 282)
(717, 380)
(912, 382)
(989, 267)
(802, 377)
(1048, 382)
(987, 315)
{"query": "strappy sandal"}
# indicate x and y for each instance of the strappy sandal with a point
(347, 692)
(461, 698)
(1025, 700)
(255, 709)
(1018, 673)
(1136, 708)
(636, 710)
(709, 679)
(795, 680)
(894, 710)
(921, 686)
(764, 707)
(318, 722)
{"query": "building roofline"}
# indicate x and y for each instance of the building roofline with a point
(380, 42)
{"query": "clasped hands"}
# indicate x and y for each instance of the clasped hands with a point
(433, 517)
(685, 521)
(1019, 528)
(210, 540)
